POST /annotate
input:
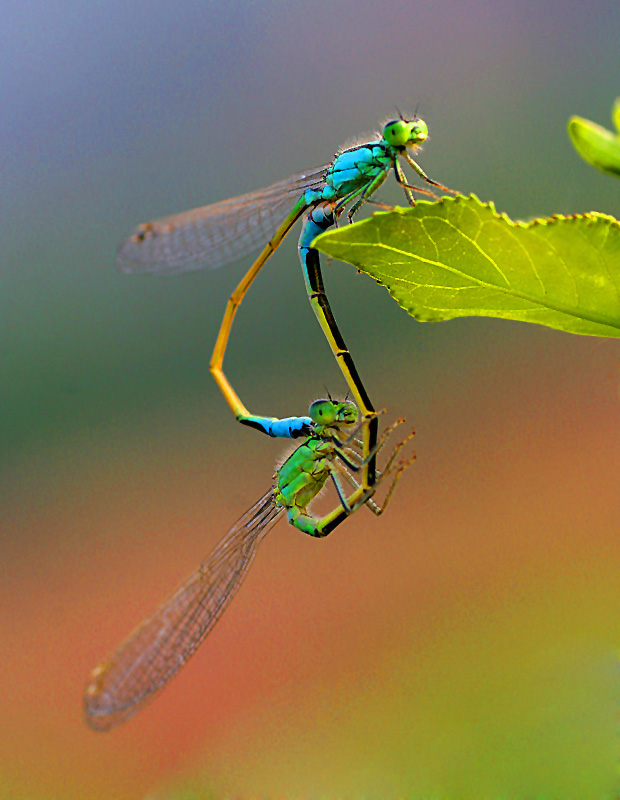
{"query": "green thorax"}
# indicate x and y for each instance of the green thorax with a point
(309, 459)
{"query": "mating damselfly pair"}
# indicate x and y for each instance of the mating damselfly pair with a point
(211, 237)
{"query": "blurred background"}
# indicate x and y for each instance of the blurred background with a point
(463, 645)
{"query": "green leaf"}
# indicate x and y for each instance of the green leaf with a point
(615, 113)
(595, 144)
(460, 258)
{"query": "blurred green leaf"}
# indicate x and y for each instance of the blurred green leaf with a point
(615, 113)
(595, 144)
(459, 257)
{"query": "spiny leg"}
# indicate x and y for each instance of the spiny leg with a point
(346, 453)
(389, 468)
(399, 468)
(379, 204)
(352, 437)
(345, 443)
(366, 193)
(369, 502)
(414, 165)
(401, 179)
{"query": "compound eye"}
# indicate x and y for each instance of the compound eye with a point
(323, 412)
(397, 132)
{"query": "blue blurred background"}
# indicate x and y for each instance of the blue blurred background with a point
(463, 645)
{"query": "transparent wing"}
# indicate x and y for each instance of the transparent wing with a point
(160, 646)
(216, 235)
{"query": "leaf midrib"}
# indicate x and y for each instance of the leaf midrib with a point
(571, 311)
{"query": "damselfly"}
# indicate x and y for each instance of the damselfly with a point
(155, 652)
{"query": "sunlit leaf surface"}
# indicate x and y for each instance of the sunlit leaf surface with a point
(458, 257)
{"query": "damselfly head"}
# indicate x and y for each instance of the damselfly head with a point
(401, 132)
(333, 412)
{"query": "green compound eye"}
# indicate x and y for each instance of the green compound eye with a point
(323, 412)
(396, 133)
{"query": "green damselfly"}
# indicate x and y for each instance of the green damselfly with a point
(155, 652)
